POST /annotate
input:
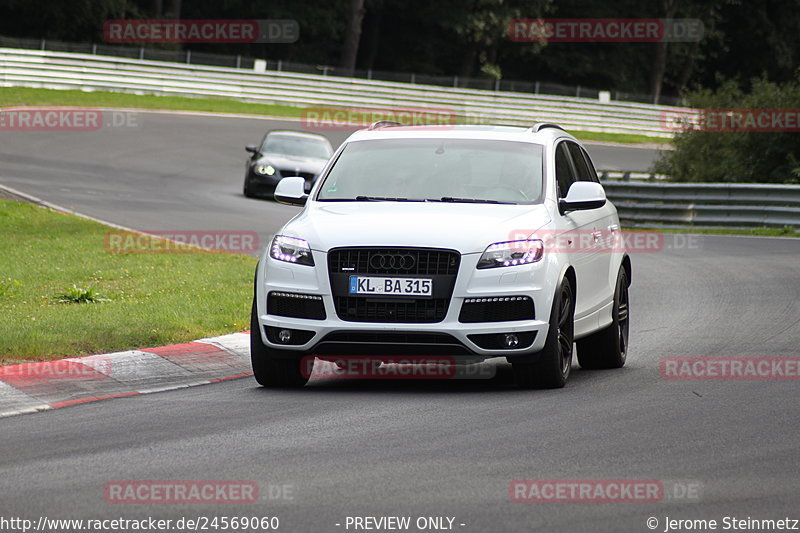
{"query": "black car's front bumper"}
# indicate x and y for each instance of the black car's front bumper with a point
(264, 186)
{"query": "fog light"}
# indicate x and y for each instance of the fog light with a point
(284, 335)
(510, 340)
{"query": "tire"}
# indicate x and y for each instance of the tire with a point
(551, 369)
(271, 367)
(608, 348)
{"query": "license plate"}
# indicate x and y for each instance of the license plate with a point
(391, 286)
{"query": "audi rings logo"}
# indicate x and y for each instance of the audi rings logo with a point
(392, 261)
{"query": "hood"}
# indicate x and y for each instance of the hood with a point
(293, 162)
(468, 228)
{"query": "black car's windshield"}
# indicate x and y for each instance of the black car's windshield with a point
(297, 146)
(449, 170)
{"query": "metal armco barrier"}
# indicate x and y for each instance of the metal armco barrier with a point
(651, 202)
(62, 70)
(628, 175)
(706, 204)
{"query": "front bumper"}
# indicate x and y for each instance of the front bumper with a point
(261, 184)
(528, 280)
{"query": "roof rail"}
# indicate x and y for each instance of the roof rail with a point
(383, 124)
(539, 126)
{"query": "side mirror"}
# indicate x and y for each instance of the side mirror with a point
(251, 148)
(291, 191)
(582, 195)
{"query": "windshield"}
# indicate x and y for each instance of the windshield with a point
(298, 146)
(436, 169)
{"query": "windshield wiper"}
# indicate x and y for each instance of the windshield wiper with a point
(450, 199)
(469, 200)
(384, 199)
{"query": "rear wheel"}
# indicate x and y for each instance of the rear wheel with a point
(608, 348)
(272, 367)
(552, 368)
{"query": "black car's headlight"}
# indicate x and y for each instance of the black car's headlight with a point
(512, 253)
(264, 170)
(291, 250)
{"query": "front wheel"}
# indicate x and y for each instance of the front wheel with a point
(608, 348)
(551, 369)
(271, 367)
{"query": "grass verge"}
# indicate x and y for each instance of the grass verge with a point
(621, 138)
(23, 96)
(140, 300)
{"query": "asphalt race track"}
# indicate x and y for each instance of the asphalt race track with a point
(428, 448)
(167, 172)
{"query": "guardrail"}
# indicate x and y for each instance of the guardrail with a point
(197, 57)
(629, 175)
(638, 202)
(706, 204)
(61, 70)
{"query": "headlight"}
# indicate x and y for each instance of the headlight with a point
(291, 250)
(503, 254)
(265, 170)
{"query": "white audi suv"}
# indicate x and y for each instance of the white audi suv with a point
(473, 242)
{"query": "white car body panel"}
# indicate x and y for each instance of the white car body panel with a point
(327, 225)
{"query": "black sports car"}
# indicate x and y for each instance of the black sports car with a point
(284, 153)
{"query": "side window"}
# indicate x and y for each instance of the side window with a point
(581, 167)
(564, 173)
(592, 171)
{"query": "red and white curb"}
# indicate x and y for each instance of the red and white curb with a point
(33, 387)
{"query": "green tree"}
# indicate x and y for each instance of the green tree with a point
(352, 36)
(742, 156)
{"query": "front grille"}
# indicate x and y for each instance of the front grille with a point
(376, 343)
(496, 309)
(296, 305)
(287, 173)
(392, 337)
(439, 265)
(413, 310)
(426, 261)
